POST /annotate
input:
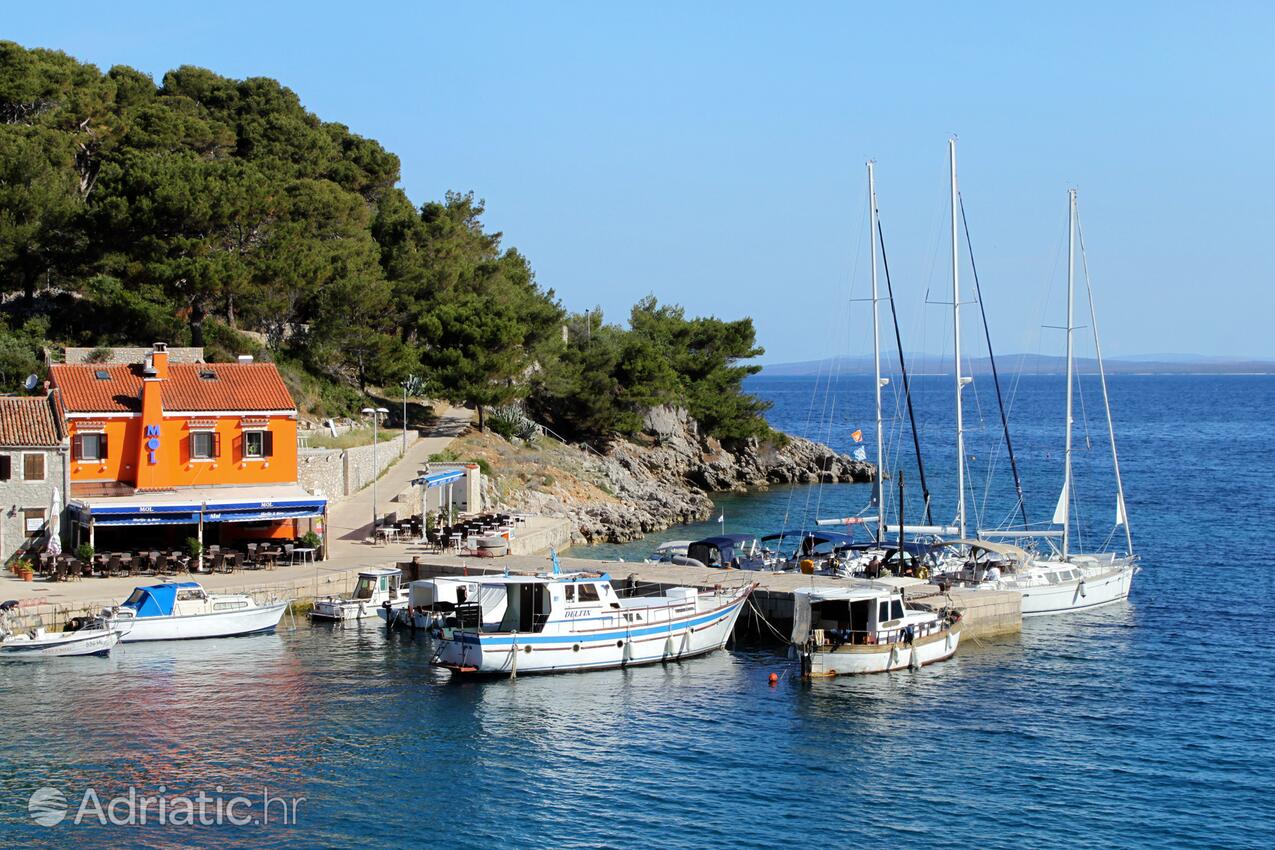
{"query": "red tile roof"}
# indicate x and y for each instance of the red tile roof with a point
(27, 421)
(237, 387)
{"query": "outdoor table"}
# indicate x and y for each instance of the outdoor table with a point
(303, 552)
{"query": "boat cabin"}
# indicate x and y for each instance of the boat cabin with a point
(532, 601)
(730, 551)
(377, 584)
(177, 599)
(865, 614)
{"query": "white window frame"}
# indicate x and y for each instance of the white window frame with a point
(96, 456)
(260, 434)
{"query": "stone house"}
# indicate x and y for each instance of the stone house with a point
(33, 465)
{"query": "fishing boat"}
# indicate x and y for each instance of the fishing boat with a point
(868, 628)
(431, 602)
(375, 588)
(184, 610)
(88, 637)
(576, 622)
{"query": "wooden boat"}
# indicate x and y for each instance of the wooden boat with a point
(868, 628)
(576, 622)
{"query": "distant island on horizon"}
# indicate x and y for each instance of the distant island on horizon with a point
(929, 364)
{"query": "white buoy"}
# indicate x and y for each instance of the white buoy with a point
(513, 658)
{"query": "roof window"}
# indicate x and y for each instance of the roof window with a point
(102, 374)
(207, 375)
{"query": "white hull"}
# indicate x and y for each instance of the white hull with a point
(244, 621)
(689, 633)
(59, 645)
(347, 610)
(850, 660)
(1078, 594)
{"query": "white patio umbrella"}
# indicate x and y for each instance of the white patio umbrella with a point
(55, 523)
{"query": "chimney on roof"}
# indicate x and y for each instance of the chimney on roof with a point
(245, 358)
(157, 362)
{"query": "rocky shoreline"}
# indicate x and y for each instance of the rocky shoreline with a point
(666, 475)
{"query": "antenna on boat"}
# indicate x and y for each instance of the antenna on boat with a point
(956, 345)
(876, 355)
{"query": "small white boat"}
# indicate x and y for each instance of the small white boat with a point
(184, 610)
(37, 644)
(669, 551)
(431, 602)
(868, 628)
(375, 587)
(574, 622)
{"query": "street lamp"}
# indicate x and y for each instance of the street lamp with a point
(411, 384)
(376, 414)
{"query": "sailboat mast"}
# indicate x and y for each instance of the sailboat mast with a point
(1065, 504)
(956, 337)
(876, 354)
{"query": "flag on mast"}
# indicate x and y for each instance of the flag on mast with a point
(857, 436)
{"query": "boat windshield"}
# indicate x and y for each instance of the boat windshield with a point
(136, 598)
(365, 587)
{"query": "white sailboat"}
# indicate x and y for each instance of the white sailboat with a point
(1065, 581)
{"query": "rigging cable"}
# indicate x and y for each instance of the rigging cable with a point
(996, 381)
(903, 371)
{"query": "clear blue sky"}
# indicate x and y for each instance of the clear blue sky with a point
(712, 153)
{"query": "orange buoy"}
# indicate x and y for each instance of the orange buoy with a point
(774, 679)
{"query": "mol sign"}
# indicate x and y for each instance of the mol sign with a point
(152, 444)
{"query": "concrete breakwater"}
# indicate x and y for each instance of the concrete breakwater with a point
(983, 613)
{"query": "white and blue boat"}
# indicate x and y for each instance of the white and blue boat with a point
(575, 622)
(184, 610)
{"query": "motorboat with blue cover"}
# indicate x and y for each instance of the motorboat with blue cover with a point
(184, 610)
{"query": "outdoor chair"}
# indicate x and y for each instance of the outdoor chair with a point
(112, 565)
(289, 554)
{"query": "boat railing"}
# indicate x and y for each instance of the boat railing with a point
(874, 637)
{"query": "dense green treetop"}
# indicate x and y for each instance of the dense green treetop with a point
(202, 207)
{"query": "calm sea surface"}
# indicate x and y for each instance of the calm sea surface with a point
(1146, 724)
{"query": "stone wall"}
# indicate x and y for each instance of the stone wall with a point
(135, 355)
(336, 473)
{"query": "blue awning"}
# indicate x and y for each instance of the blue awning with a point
(259, 516)
(147, 519)
(438, 479)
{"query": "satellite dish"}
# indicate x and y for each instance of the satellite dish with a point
(31, 381)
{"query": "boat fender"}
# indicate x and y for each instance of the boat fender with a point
(1081, 588)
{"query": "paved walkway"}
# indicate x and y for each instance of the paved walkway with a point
(350, 520)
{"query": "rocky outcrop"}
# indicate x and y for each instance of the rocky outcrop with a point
(665, 476)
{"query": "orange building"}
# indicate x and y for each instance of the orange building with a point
(170, 446)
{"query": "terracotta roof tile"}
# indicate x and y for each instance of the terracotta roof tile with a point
(237, 386)
(27, 421)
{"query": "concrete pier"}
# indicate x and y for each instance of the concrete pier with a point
(983, 613)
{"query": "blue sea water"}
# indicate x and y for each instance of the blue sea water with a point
(1144, 724)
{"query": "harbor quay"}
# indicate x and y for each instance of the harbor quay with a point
(983, 613)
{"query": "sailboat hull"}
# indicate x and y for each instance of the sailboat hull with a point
(1090, 591)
